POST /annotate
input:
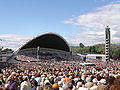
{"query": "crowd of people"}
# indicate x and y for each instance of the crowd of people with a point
(27, 56)
(60, 75)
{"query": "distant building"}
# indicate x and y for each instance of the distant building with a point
(95, 57)
(91, 57)
(4, 56)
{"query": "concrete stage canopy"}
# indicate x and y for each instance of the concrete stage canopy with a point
(47, 40)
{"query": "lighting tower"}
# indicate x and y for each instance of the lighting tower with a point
(107, 43)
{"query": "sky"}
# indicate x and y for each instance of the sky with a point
(78, 21)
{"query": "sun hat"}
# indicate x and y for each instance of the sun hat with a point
(103, 81)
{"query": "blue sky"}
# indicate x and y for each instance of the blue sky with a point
(33, 17)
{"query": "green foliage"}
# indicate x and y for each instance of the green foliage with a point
(98, 49)
(92, 49)
(115, 52)
(75, 49)
(7, 50)
(81, 45)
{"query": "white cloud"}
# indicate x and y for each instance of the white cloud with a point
(12, 41)
(104, 0)
(94, 24)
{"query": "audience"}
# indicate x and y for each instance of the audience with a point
(64, 74)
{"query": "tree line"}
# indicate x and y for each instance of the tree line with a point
(98, 49)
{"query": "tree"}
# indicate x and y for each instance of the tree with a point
(100, 48)
(92, 49)
(81, 45)
(7, 50)
(115, 52)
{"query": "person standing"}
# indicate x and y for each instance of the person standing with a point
(25, 85)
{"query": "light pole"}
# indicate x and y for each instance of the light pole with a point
(1, 54)
(38, 48)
